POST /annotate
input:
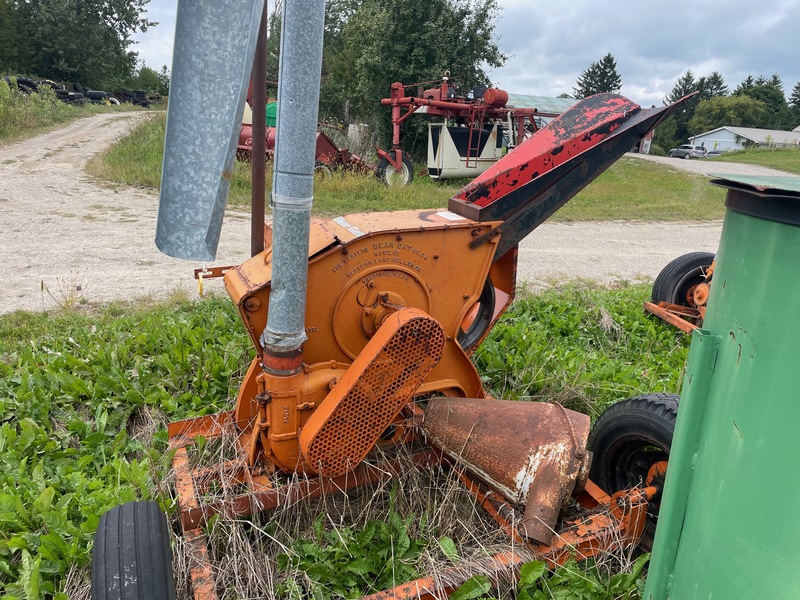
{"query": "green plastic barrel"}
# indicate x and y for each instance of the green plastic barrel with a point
(272, 114)
(729, 524)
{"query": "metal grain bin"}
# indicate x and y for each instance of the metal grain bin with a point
(729, 525)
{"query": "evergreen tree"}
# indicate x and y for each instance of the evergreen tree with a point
(776, 81)
(778, 114)
(711, 86)
(685, 85)
(747, 84)
(675, 130)
(600, 76)
(794, 104)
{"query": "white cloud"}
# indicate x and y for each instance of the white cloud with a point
(653, 42)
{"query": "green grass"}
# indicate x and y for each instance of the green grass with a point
(784, 160)
(80, 390)
(25, 115)
(630, 189)
(639, 189)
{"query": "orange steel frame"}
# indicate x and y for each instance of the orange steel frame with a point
(610, 518)
(682, 317)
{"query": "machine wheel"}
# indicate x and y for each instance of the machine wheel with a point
(627, 440)
(322, 171)
(131, 559)
(687, 156)
(386, 173)
(676, 281)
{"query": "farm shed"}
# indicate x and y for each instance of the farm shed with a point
(548, 107)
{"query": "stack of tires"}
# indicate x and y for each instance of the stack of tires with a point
(135, 97)
(79, 94)
(23, 84)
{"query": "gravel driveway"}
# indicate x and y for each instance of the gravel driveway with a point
(709, 166)
(60, 231)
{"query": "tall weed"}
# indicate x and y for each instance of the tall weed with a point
(20, 113)
(23, 115)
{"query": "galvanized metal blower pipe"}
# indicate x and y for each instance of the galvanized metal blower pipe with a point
(293, 180)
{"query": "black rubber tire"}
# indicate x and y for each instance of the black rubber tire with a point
(676, 280)
(113, 100)
(95, 95)
(322, 171)
(387, 175)
(131, 559)
(28, 83)
(627, 439)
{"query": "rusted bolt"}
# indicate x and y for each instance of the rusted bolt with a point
(344, 250)
(252, 304)
(435, 256)
(476, 232)
(399, 238)
(466, 296)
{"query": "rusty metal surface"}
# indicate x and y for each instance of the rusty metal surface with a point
(181, 433)
(530, 452)
(674, 314)
(602, 525)
(200, 570)
(372, 392)
(528, 185)
(502, 564)
(266, 499)
(212, 272)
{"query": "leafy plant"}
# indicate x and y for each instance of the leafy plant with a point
(85, 395)
(586, 346)
(570, 581)
(343, 563)
(73, 393)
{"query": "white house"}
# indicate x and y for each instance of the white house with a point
(737, 138)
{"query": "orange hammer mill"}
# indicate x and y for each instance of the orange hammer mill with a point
(362, 326)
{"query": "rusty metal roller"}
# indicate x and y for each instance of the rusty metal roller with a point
(534, 453)
(383, 377)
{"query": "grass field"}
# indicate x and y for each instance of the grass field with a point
(630, 189)
(783, 160)
(85, 395)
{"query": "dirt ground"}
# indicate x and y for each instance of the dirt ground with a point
(65, 238)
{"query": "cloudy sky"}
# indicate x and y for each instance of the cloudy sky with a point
(654, 42)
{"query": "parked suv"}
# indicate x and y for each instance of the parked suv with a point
(687, 151)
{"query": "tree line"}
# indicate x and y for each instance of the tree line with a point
(88, 41)
(758, 102)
